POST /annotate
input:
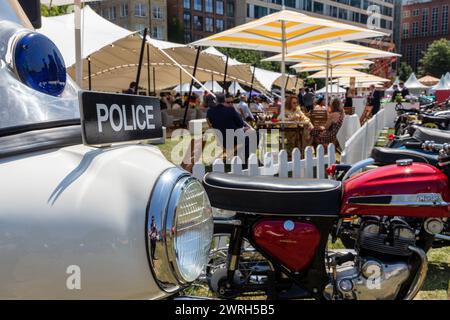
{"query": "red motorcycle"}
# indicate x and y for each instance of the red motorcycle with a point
(278, 236)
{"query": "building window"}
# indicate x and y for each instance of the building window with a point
(405, 30)
(418, 55)
(198, 5)
(318, 7)
(434, 21)
(187, 21)
(124, 9)
(230, 9)
(139, 10)
(209, 24)
(260, 12)
(415, 28)
(113, 13)
(219, 25)
(219, 7)
(158, 33)
(106, 13)
(198, 23)
(425, 14)
(406, 14)
(157, 13)
(445, 19)
(409, 54)
(209, 6)
(187, 4)
(415, 13)
(342, 13)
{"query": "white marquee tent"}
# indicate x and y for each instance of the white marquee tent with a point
(213, 86)
(235, 87)
(413, 85)
(332, 89)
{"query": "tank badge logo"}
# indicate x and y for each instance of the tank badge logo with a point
(428, 197)
(288, 225)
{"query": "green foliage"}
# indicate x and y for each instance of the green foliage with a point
(250, 57)
(53, 11)
(404, 71)
(176, 31)
(436, 59)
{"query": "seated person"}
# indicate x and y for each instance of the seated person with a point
(320, 104)
(275, 106)
(294, 113)
(258, 106)
(244, 110)
(327, 134)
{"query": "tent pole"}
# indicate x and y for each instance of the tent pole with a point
(141, 57)
(154, 81)
(89, 72)
(251, 85)
(326, 79)
(181, 82)
(148, 69)
(186, 104)
(225, 76)
(78, 53)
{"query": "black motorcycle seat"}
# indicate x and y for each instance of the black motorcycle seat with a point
(435, 119)
(427, 134)
(273, 195)
(386, 156)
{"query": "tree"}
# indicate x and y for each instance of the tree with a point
(53, 11)
(436, 59)
(250, 57)
(176, 31)
(404, 71)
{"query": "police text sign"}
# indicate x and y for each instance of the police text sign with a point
(107, 118)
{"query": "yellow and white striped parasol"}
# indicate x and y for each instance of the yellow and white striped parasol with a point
(285, 32)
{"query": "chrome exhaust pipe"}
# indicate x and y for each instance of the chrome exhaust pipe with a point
(442, 237)
(420, 275)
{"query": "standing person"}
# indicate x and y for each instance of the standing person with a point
(153, 237)
(301, 93)
(404, 90)
(131, 88)
(308, 100)
(395, 93)
(222, 118)
(244, 110)
(348, 97)
(374, 99)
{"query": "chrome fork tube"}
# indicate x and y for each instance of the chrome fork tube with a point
(420, 275)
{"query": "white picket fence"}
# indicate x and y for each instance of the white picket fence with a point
(360, 144)
(311, 166)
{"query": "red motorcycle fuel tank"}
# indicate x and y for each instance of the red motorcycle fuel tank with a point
(291, 243)
(407, 189)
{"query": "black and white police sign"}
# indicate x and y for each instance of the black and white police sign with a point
(107, 118)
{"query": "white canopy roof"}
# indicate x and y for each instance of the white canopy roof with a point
(97, 33)
(349, 73)
(61, 2)
(447, 78)
(215, 52)
(413, 83)
(235, 87)
(184, 88)
(441, 85)
(213, 86)
(332, 89)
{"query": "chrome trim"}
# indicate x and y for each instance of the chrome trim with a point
(410, 200)
(358, 166)
(233, 222)
(442, 237)
(160, 263)
(420, 275)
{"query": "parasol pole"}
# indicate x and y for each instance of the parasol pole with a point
(251, 85)
(283, 68)
(78, 54)
(326, 79)
(225, 75)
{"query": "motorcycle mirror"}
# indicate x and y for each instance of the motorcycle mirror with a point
(32, 9)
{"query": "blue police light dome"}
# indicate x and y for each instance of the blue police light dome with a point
(39, 64)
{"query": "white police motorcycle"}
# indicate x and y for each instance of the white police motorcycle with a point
(82, 215)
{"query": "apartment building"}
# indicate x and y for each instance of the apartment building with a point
(422, 23)
(136, 15)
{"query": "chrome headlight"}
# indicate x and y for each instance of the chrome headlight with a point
(179, 229)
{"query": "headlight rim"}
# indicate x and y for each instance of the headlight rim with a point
(163, 204)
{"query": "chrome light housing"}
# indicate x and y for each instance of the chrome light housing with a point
(179, 229)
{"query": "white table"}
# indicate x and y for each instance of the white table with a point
(348, 128)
